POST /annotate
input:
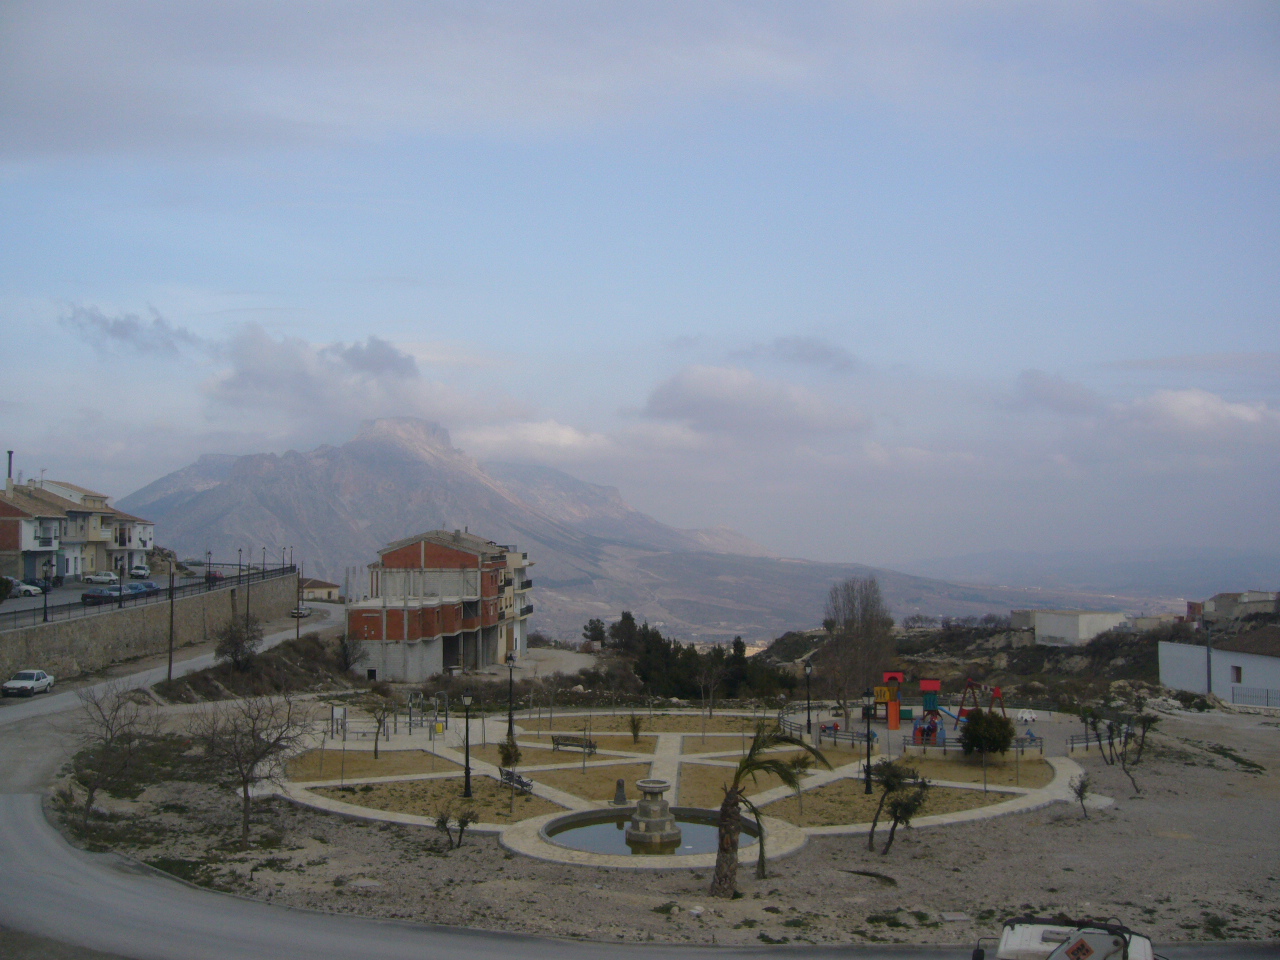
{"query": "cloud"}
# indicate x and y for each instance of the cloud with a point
(80, 76)
(129, 330)
(805, 351)
(732, 400)
(1036, 389)
(1199, 411)
(1262, 363)
(545, 440)
(310, 387)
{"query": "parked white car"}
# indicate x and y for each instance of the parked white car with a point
(139, 571)
(25, 683)
(19, 589)
(105, 576)
(299, 612)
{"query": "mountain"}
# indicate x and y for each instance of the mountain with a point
(595, 555)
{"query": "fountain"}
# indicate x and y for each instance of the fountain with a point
(653, 829)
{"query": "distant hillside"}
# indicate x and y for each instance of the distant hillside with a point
(594, 554)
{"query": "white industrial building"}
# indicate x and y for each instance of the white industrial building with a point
(1066, 627)
(1244, 669)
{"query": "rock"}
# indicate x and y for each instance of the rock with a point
(362, 882)
(696, 912)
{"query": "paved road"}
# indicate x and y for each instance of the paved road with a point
(103, 902)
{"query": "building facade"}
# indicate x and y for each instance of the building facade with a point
(435, 603)
(313, 589)
(1243, 669)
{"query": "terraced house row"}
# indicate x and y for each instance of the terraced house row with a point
(52, 528)
(440, 601)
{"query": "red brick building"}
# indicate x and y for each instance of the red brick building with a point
(432, 604)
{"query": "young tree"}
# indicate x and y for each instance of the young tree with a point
(509, 754)
(861, 640)
(381, 706)
(711, 670)
(890, 776)
(238, 641)
(247, 741)
(903, 806)
(1080, 790)
(987, 732)
(114, 727)
(755, 762)
(636, 723)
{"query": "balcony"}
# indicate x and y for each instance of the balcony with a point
(526, 610)
(526, 585)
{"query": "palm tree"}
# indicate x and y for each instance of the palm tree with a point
(891, 776)
(755, 762)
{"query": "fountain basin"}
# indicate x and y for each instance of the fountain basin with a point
(605, 832)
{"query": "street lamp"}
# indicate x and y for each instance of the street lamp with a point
(868, 708)
(808, 712)
(45, 588)
(511, 698)
(466, 781)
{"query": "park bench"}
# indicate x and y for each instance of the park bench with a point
(511, 778)
(572, 742)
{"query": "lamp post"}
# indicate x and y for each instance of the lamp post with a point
(511, 695)
(44, 590)
(808, 710)
(239, 563)
(868, 708)
(466, 777)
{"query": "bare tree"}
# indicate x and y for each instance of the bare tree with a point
(1080, 790)
(238, 641)
(351, 652)
(381, 706)
(861, 640)
(711, 670)
(247, 742)
(115, 726)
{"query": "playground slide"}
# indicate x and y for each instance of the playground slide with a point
(950, 714)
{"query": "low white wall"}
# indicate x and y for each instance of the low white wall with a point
(1183, 667)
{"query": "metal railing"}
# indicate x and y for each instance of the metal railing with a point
(1255, 696)
(16, 619)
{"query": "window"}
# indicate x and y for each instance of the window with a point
(1237, 675)
(371, 674)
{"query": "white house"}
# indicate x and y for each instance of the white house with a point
(1069, 627)
(1243, 669)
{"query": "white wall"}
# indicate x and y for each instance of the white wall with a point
(1074, 626)
(399, 662)
(1182, 667)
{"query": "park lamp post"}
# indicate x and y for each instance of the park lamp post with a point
(466, 777)
(511, 691)
(45, 588)
(868, 708)
(808, 712)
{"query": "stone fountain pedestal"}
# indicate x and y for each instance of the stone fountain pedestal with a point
(653, 829)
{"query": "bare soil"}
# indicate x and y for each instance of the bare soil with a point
(846, 801)
(598, 783)
(490, 800)
(354, 764)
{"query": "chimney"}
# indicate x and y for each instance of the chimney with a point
(8, 482)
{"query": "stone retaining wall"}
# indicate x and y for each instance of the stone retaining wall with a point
(69, 648)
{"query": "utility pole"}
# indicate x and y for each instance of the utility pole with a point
(170, 675)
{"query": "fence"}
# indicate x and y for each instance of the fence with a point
(16, 619)
(1255, 696)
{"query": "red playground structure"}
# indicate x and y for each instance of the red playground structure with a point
(972, 687)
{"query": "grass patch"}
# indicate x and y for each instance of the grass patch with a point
(659, 723)
(597, 783)
(331, 764)
(425, 798)
(1027, 772)
(1244, 763)
(845, 801)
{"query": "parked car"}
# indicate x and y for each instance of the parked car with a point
(214, 576)
(43, 585)
(139, 571)
(300, 611)
(26, 683)
(132, 590)
(148, 588)
(100, 595)
(20, 588)
(106, 576)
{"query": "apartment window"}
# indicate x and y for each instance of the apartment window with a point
(1237, 675)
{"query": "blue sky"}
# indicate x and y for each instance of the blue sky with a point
(869, 282)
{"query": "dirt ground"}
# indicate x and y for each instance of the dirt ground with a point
(846, 801)
(490, 800)
(353, 764)
(1194, 855)
(598, 783)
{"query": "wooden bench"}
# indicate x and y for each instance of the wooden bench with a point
(511, 778)
(576, 743)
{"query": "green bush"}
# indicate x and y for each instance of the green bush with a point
(986, 732)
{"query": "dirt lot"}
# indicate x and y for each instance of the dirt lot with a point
(353, 764)
(846, 801)
(490, 800)
(1194, 855)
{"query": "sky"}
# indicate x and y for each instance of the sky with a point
(874, 282)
